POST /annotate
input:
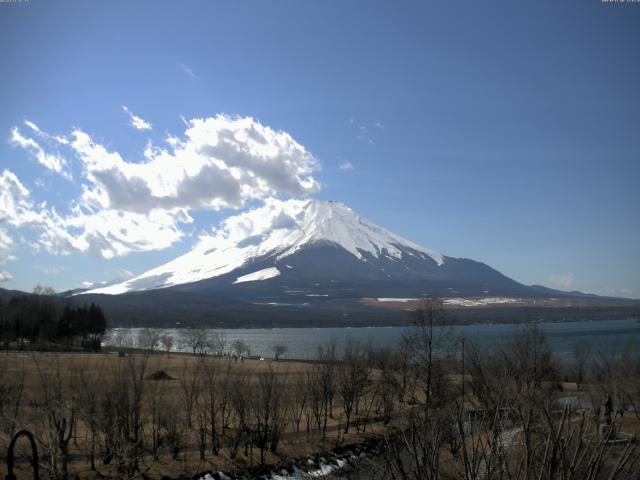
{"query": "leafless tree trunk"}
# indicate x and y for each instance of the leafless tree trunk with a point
(195, 339)
(89, 391)
(299, 400)
(352, 377)
(149, 339)
(279, 349)
(212, 398)
(57, 402)
(241, 408)
(11, 396)
(190, 383)
(327, 359)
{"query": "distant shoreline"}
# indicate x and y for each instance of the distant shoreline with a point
(456, 316)
(363, 327)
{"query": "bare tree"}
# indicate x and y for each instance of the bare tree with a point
(240, 402)
(387, 384)
(581, 354)
(190, 384)
(268, 409)
(11, 397)
(517, 384)
(218, 343)
(415, 452)
(57, 403)
(89, 400)
(167, 343)
(279, 349)
(298, 402)
(149, 339)
(173, 431)
(121, 339)
(316, 398)
(202, 406)
(156, 404)
(122, 420)
(211, 399)
(352, 376)
(224, 395)
(195, 339)
(240, 347)
(327, 360)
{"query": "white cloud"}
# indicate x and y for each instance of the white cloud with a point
(247, 225)
(51, 161)
(219, 162)
(105, 233)
(32, 126)
(110, 233)
(4, 259)
(137, 122)
(188, 71)
(379, 125)
(5, 276)
(125, 274)
(6, 243)
(121, 275)
(59, 139)
(346, 166)
(16, 208)
(562, 280)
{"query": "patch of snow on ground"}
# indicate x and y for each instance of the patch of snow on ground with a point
(397, 299)
(263, 274)
(478, 302)
(221, 475)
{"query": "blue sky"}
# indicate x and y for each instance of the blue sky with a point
(506, 132)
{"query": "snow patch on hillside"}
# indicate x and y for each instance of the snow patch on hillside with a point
(478, 302)
(264, 274)
(397, 299)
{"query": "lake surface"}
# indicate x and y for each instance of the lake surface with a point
(604, 336)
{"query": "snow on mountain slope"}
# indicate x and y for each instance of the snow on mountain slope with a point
(264, 274)
(279, 228)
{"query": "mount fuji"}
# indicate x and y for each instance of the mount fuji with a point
(293, 248)
(310, 262)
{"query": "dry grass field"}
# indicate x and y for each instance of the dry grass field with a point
(43, 389)
(135, 414)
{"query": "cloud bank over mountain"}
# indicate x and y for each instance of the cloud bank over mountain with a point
(125, 206)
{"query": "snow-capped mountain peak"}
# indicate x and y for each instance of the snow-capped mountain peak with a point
(278, 229)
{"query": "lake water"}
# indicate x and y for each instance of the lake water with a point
(604, 336)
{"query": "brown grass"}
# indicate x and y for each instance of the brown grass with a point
(34, 366)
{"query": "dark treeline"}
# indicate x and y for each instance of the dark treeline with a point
(160, 308)
(43, 320)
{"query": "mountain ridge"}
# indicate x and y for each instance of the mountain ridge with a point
(279, 229)
(311, 262)
(321, 248)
